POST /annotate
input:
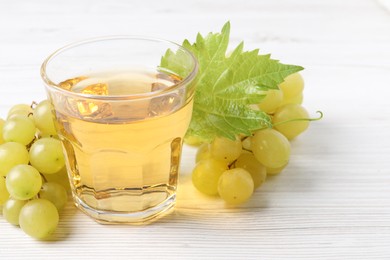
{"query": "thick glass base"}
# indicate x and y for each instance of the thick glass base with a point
(120, 217)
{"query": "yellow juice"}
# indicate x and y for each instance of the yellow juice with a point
(123, 156)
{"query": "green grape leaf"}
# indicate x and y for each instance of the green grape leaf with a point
(228, 86)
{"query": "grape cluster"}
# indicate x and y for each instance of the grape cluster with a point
(33, 181)
(234, 169)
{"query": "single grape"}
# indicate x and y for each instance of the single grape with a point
(47, 156)
(60, 177)
(203, 152)
(298, 99)
(206, 174)
(19, 129)
(23, 182)
(192, 140)
(290, 112)
(248, 162)
(274, 171)
(12, 154)
(11, 210)
(43, 119)
(225, 149)
(292, 86)
(246, 143)
(20, 109)
(4, 194)
(16, 114)
(271, 148)
(1, 131)
(235, 186)
(55, 193)
(39, 218)
(271, 101)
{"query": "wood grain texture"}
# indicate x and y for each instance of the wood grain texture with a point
(333, 200)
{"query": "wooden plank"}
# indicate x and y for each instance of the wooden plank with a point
(332, 202)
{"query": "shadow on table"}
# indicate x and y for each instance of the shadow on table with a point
(66, 223)
(195, 208)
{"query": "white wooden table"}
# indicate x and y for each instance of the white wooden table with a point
(333, 200)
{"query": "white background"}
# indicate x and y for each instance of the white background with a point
(333, 200)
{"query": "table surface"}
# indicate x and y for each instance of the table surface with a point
(332, 201)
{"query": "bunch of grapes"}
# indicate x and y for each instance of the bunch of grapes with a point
(234, 169)
(33, 182)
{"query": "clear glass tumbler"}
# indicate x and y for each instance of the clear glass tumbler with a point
(121, 114)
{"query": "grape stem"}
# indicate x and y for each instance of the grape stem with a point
(302, 119)
(232, 164)
(33, 105)
(31, 143)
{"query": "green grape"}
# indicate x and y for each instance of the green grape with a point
(39, 218)
(55, 193)
(60, 177)
(23, 182)
(47, 156)
(274, 171)
(206, 174)
(246, 143)
(43, 119)
(271, 101)
(291, 87)
(192, 140)
(225, 149)
(19, 129)
(11, 210)
(12, 154)
(290, 112)
(248, 162)
(298, 99)
(203, 152)
(235, 186)
(20, 109)
(17, 114)
(271, 148)
(1, 130)
(4, 194)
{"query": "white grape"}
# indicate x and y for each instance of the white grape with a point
(225, 149)
(291, 87)
(20, 109)
(4, 194)
(55, 193)
(43, 118)
(206, 174)
(272, 100)
(23, 182)
(19, 129)
(12, 154)
(248, 162)
(47, 156)
(235, 186)
(274, 171)
(1, 131)
(271, 148)
(11, 210)
(39, 218)
(203, 152)
(293, 113)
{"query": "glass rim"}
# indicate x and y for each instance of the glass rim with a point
(50, 84)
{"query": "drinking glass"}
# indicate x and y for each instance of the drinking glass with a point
(121, 112)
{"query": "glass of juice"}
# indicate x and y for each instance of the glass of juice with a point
(121, 115)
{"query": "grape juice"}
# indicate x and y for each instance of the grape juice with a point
(123, 141)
